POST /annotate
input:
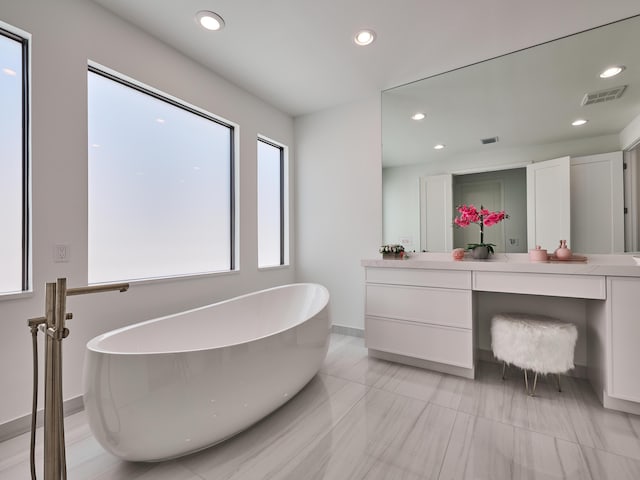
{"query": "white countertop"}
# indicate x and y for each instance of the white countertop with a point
(611, 265)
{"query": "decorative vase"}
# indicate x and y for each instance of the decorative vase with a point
(563, 252)
(457, 253)
(480, 252)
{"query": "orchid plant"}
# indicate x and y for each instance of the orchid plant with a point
(484, 218)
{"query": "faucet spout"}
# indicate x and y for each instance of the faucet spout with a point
(121, 287)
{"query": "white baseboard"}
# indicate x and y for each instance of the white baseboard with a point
(21, 425)
(342, 330)
(620, 405)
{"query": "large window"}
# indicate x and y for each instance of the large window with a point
(160, 185)
(14, 164)
(271, 204)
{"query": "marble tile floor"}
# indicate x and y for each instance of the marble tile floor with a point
(363, 418)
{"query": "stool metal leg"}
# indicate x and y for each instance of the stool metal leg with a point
(504, 368)
(531, 392)
(535, 382)
(558, 377)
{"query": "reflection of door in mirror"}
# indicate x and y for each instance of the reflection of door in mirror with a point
(436, 213)
(549, 203)
(597, 203)
(632, 199)
(495, 190)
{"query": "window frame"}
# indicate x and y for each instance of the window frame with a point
(282, 199)
(24, 39)
(140, 87)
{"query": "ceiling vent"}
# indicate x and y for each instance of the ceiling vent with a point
(487, 141)
(603, 95)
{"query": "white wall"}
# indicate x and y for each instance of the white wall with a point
(66, 34)
(338, 191)
(401, 206)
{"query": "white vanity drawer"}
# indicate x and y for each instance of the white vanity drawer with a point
(419, 277)
(439, 306)
(554, 285)
(451, 346)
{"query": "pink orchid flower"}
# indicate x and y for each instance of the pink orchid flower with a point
(483, 217)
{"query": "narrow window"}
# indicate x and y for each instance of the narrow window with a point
(271, 204)
(14, 164)
(161, 199)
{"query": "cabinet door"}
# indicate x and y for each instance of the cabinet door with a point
(624, 338)
(597, 193)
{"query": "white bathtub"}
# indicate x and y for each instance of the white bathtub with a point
(177, 384)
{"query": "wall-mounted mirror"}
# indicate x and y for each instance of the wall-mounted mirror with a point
(499, 121)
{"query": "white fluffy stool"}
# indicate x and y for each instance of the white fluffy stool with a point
(533, 342)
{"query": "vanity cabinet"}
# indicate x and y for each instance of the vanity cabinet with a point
(425, 312)
(421, 314)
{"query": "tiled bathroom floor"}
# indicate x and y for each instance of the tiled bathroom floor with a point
(363, 418)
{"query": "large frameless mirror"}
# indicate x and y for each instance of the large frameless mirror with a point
(500, 133)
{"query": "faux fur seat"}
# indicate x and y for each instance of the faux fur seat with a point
(533, 342)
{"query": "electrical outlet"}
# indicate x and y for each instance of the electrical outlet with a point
(61, 252)
(405, 240)
(514, 242)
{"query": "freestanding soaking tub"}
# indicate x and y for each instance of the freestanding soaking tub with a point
(177, 384)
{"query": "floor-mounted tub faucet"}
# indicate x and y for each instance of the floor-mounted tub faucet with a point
(53, 325)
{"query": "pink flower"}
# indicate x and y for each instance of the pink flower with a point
(470, 214)
(462, 222)
(491, 218)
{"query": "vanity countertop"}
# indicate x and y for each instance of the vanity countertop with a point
(609, 265)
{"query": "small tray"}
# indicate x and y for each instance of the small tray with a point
(573, 258)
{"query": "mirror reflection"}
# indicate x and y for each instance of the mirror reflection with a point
(545, 133)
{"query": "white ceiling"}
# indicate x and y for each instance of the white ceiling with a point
(298, 55)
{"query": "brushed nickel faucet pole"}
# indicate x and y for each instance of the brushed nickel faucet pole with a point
(53, 324)
(52, 463)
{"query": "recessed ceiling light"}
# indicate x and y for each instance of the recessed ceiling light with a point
(10, 72)
(210, 20)
(580, 121)
(364, 37)
(439, 146)
(160, 120)
(417, 116)
(612, 71)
